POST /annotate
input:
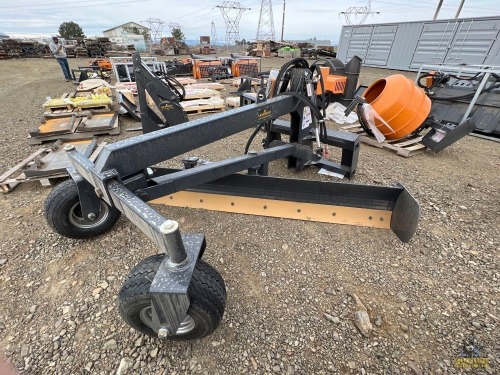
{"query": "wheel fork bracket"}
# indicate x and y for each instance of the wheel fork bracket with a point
(169, 289)
(90, 203)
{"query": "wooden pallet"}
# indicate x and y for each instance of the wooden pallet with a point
(75, 111)
(192, 94)
(204, 109)
(105, 107)
(405, 147)
(47, 172)
(198, 106)
(52, 108)
(58, 111)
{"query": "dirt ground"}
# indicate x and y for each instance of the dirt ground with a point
(290, 283)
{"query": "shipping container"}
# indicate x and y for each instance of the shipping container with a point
(408, 45)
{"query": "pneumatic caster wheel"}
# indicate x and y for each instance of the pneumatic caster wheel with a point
(207, 295)
(64, 215)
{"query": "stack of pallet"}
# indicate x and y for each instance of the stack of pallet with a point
(104, 43)
(4, 52)
(13, 47)
(87, 112)
(81, 52)
(27, 48)
(33, 49)
(203, 97)
(93, 48)
(70, 50)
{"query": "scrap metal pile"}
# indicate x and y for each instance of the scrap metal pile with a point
(88, 47)
(13, 48)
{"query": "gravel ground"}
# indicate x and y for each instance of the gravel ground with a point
(293, 287)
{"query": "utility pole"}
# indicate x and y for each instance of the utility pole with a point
(438, 9)
(265, 30)
(459, 8)
(283, 22)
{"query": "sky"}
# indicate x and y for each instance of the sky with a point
(303, 19)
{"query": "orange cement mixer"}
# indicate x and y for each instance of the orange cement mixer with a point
(400, 103)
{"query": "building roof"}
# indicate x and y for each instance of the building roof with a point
(125, 24)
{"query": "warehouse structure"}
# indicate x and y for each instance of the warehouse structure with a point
(408, 45)
(125, 35)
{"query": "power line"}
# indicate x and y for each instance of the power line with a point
(63, 6)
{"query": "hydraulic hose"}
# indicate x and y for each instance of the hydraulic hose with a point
(297, 63)
(251, 138)
(173, 84)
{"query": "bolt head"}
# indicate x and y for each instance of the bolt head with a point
(162, 333)
(169, 226)
(91, 216)
(69, 147)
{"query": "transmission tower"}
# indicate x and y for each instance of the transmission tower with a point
(358, 15)
(173, 25)
(265, 30)
(213, 34)
(231, 12)
(156, 27)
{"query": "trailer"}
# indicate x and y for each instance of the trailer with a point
(408, 45)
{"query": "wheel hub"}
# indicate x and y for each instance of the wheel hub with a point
(187, 325)
(76, 217)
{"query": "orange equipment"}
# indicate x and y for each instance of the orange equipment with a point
(245, 67)
(203, 69)
(104, 64)
(333, 83)
(400, 103)
(429, 80)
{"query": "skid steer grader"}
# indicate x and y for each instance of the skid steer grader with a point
(176, 295)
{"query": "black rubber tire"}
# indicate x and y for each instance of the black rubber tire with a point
(207, 294)
(61, 211)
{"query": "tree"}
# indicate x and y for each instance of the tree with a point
(136, 31)
(71, 30)
(178, 34)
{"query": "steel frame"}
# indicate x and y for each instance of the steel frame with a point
(123, 176)
(452, 120)
(488, 70)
